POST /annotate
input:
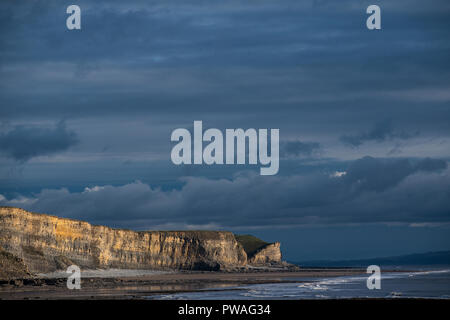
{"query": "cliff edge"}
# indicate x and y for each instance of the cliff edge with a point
(39, 243)
(259, 252)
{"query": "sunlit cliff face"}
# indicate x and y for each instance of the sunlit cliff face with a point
(47, 243)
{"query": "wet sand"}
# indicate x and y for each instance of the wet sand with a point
(143, 286)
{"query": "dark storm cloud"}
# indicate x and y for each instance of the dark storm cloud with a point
(209, 57)
(382, 131)
(372, 190)
(430, 165)
(379, 174)
(25, 142)
(298, 148)
(310, 68)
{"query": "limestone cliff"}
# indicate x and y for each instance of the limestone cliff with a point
(260, 252)
(47, 243)
(268, 254)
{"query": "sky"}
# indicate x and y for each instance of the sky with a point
(364, 117)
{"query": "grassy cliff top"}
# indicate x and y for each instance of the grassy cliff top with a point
(250, 243)
(194, 234)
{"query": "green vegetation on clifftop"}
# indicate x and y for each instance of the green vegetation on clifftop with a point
(250, 243)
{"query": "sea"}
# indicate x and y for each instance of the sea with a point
(424, 282)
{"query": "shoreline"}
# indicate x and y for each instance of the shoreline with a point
(143, 287)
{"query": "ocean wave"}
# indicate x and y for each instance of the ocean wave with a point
(398, 285)
(429, 272)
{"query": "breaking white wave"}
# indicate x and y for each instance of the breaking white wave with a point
(429, 272)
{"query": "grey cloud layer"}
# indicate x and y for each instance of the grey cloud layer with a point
(25, 142)
(231, 57)
(299, 148)
(139, 69)
(372, 190)
(381, 132)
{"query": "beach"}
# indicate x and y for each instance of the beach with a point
(138, 284)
